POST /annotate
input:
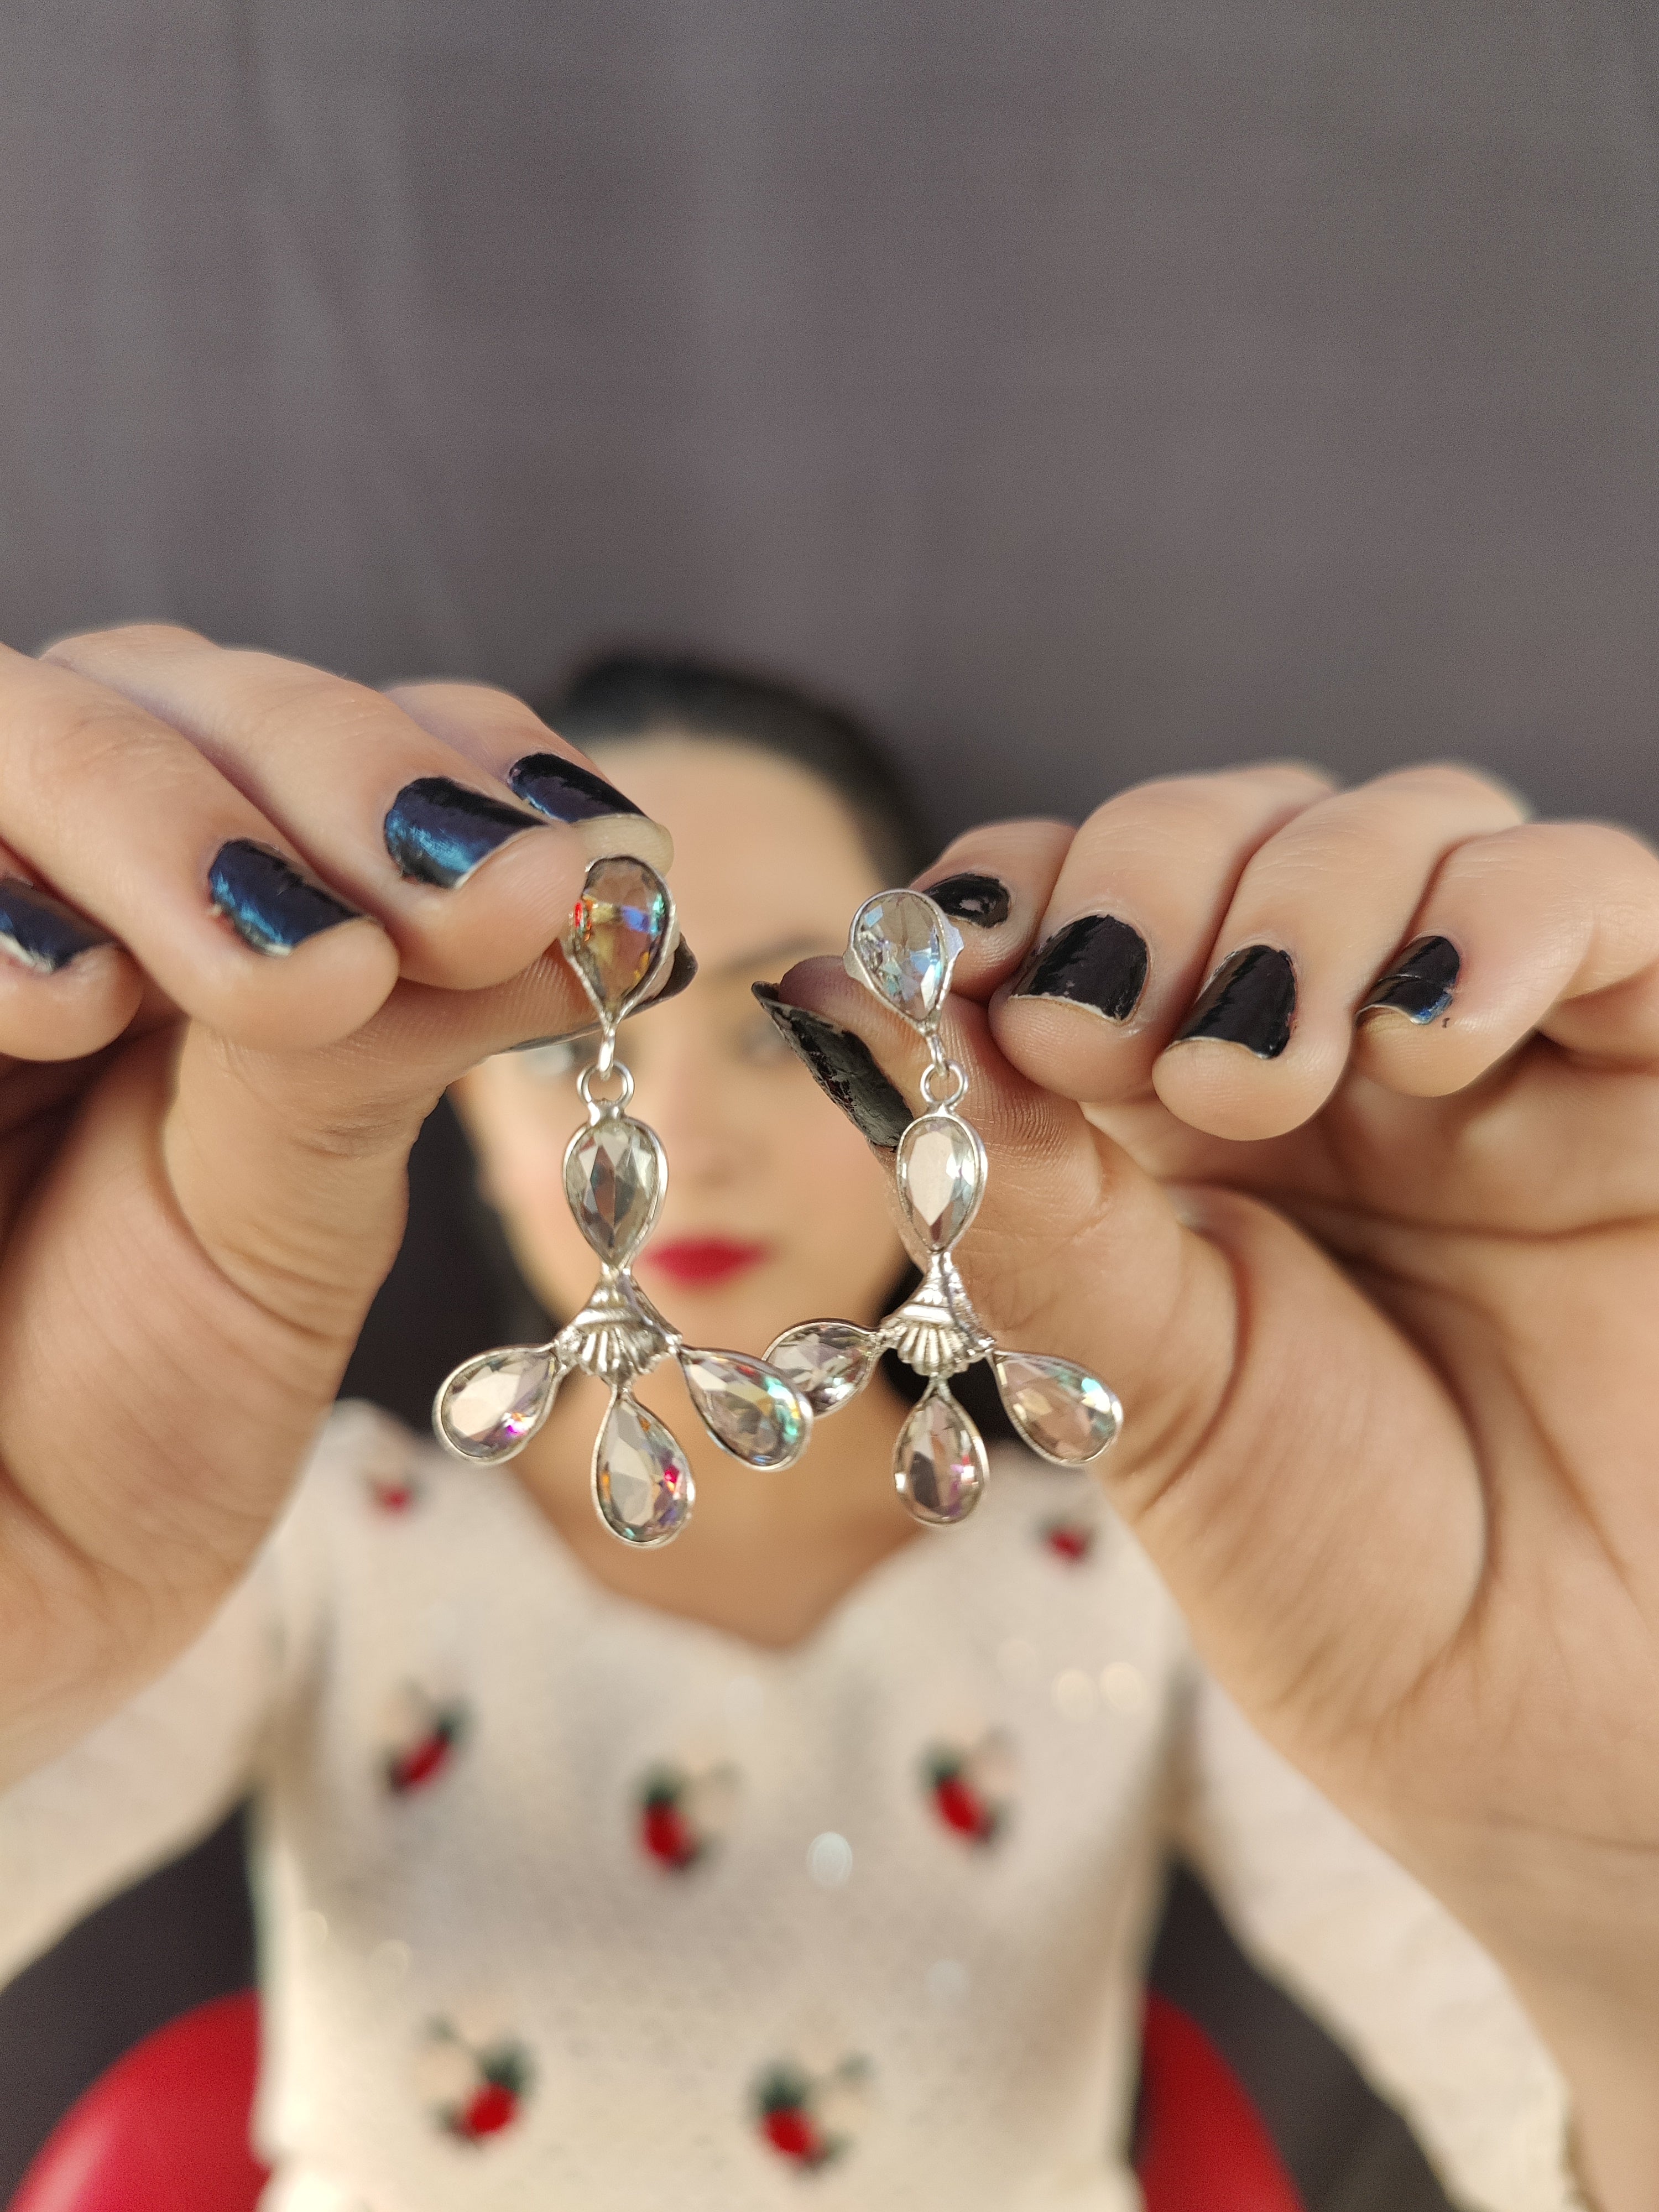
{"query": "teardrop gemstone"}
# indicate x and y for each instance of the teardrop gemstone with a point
(941, 1177)
(939, 1465)
(827, 1361)
(492, 1406)
(642, 1479)
(1060, 1408)
(619, 933)
(747, 1406)
(904, 949)
(615, 1173)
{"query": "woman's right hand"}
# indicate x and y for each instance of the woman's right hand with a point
(253, 918)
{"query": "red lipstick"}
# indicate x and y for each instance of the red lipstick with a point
(701, 1261)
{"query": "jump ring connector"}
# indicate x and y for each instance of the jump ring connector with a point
(597, 1108)
(944, 1071)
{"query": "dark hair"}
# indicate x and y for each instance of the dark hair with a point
(622, 696)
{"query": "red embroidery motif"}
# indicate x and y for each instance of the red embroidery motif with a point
(809, 2119)
(683, 1817)
(972, 1789)
(474, 2091)
(1070, 1540)
(393, 1494)
(425, 1738)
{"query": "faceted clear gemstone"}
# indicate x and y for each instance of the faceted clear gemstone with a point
(941, 1177)
(827, 1361)
(902, 946)
(747, 1406)
(619, 932)
(1060, 1408)
(614, 1177)
(642, 1479)
(939, 1467)
(492, 1406)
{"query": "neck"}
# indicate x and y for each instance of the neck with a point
(766, 1557)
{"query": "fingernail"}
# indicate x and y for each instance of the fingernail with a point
(39, 931)
(438, 830)
(1096, 962)
(1250, 1000)
(843, 1066)
(985, 901)
(267, 902)
(566, 793)
(682, 970)
(1420, 983)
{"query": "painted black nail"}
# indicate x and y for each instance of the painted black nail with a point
(1096, 960)
(1250, 1000)
(566, 793)
(682, 970)
(984, 900)
(438, 830)
(39, 931)
(844, 1068)
(1420, 983)
(267, 902)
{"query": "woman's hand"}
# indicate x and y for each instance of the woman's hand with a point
(253, 919)
(1380, 1294)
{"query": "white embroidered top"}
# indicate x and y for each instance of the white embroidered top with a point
(568, 1903)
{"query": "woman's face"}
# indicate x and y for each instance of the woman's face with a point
(776, 1210)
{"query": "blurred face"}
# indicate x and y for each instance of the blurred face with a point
(775, 1210)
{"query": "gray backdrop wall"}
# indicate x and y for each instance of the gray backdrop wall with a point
(1086, 387)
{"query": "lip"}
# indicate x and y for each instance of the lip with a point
(700, 1261)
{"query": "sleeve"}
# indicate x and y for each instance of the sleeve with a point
(160, 1773)
(1423, 2010)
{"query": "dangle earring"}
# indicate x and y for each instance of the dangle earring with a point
(616, 1174)
(903, 947)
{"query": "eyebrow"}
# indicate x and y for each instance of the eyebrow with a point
(770, 957)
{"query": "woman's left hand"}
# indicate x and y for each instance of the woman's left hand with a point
(1380, 1293)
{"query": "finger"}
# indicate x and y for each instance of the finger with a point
(469, 884)
(995, 882)
(120, 816)
(1554, 925)
(507, 738)
(1127, 927)
(1310, 923)
(66, 988)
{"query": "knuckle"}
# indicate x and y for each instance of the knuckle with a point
(124, 638)
(1453, 783)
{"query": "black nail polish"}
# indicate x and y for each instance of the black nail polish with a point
(1250, 1000)
(682, 970)
(985, 901)
(1420, 983)
(844, 1066)
(565, 791)
(1096, 962)
(267, 902)
(39, 931)
(438, 830)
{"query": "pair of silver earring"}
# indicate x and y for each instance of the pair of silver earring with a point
(903, 948)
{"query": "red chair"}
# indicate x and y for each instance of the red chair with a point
(166, 2129)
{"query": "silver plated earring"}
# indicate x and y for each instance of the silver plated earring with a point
(615, 1175)
(903, 948)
